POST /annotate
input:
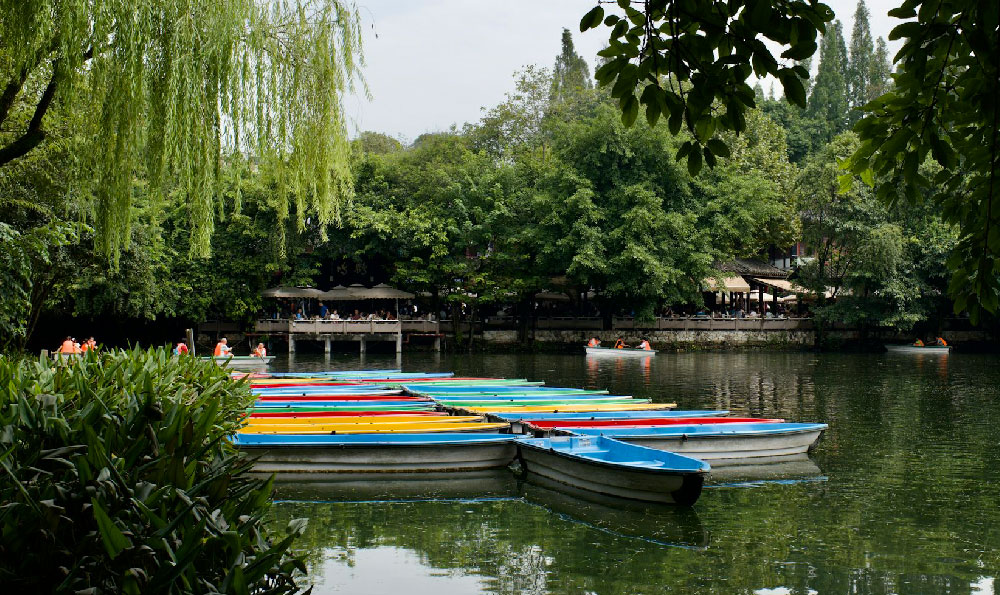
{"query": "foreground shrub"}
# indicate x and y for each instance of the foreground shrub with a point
(115, 477)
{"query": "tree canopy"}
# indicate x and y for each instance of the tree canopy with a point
(943, 103)
(169, 91)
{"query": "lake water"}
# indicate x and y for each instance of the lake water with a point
(902, 494)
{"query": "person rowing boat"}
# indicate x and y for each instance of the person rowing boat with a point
(645, 345)
(222, 349)
(594, 342)
(259, 351)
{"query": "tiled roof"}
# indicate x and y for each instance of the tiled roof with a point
(754, 268)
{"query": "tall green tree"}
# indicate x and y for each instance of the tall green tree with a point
(879, 80)
(828, 101)
(165, 90)
(860, 63)
(570, 73)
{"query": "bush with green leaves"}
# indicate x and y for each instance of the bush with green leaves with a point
(116, 477)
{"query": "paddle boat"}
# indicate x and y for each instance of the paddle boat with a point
(932, 349)
(720, 441)
(374, 428)
(615, 468)
(335, 413)
(241, 362)
(575, 407)
(383, 453)
(537, 402)
(360, 418)
(518, 427)
(623, 352)
(596, 415)
(574, 425)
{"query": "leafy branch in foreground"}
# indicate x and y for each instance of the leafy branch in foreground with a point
(117, 478)
(687, 60)
(945, 104)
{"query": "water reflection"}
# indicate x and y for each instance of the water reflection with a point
(908, 506)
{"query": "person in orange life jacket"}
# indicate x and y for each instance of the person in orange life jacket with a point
(222, 349)
(181, 348)
(593, 342)
(645, 345)
(940, 342)
(620, 344)
(918, 343)
(68, 346)
(259, 351)
(87, 345)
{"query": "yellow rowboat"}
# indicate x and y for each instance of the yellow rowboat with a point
(380, 428)
(565, 408)
(361, 419)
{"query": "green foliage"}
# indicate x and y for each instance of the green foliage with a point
(944, 105)
(861, 64)
(570, 73)
(679, 59)
(164, 90)
(118, 479)
(828, 101)
(859, 248)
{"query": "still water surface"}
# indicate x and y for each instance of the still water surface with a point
(901, 496)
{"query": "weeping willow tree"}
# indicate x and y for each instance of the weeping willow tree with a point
(169, 91)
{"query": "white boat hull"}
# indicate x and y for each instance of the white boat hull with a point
(713, 448)
(613, 481)
(382, 458)
(935, 349)
(607, 351)
(244, 363)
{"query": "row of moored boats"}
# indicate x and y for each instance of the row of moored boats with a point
(387, 421)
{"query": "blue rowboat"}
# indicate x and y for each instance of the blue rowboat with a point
(719, 442)
(607, 466)
(383, 453)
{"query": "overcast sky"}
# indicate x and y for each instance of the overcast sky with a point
(434, 63)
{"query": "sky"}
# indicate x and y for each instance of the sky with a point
(431, 64)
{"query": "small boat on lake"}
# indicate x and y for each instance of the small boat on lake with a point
(933, 349)
(359, 418)
(242, 362)
(518, 423)
(572, 425)
(596, 415)
(383, 453)
(623, 352)
(574, 407)
(724, 441)
(375, 427)
(615, 468)
(335, 413)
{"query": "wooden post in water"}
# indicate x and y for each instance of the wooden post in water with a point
(189, 333)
